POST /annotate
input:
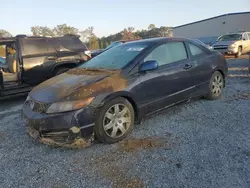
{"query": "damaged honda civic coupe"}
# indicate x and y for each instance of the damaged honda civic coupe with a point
(103, 98)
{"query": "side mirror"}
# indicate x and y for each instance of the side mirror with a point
(148, 65)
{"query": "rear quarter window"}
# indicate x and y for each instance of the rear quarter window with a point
(68, 44)
(195, 50)
(36, 46)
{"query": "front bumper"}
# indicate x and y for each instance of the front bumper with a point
(227, 51)
(69, 129)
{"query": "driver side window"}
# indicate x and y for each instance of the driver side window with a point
(168, 53)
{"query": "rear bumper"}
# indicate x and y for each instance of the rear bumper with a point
(70, 129)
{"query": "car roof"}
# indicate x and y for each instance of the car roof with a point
(157, 40)
(7, 39)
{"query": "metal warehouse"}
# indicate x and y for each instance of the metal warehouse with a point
(209, 29)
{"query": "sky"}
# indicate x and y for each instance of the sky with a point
(110, 16)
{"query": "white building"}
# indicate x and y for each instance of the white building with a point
(209, 29)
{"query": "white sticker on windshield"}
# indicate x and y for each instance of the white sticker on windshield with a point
(135, 49)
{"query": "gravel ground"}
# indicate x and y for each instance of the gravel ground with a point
(198, 144)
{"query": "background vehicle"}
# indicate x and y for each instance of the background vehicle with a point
(233, 44)
(38, 59)
(99, 51)
(107, 94)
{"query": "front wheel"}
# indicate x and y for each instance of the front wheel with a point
(115, 121)
(215, 86)
(239, 53)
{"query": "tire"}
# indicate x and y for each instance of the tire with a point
(239, 53)
(117, 128)
(216, 86)
(61, 70)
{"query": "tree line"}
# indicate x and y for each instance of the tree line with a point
(91, 40)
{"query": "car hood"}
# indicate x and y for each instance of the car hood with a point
(77, 84)
(224, 43)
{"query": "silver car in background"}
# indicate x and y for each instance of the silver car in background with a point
(233, 44)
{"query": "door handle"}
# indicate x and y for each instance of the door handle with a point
(188, 66)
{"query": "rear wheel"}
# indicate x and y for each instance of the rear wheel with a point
(239, 53)
(61, 70)
(216, 86)
(115, 121)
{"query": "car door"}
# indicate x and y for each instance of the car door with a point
(245, 42)
(202, 67)
(170, 82)
(248, 42)
(35, 52)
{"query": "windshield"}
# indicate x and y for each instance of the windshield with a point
(115, 58)
(230, 37)
(113, 44)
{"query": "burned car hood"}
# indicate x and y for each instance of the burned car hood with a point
(77, 84)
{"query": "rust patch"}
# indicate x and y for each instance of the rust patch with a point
(109, 168)
(133, 145)
(78, 143)
(112, 167)
(109, 84)
(128, 183)
(82, 71)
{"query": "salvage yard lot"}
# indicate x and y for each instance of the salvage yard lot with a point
(198, 144)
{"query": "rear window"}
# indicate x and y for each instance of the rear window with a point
(68, 44)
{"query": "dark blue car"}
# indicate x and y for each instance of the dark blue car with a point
(104, 97)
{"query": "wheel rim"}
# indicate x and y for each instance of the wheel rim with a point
(217, 85)
(117, 120)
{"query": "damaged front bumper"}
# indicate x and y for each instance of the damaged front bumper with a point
(70, 129)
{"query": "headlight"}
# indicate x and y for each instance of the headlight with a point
(88, 53)
(68, 105)
(233, 45)
(27, 99)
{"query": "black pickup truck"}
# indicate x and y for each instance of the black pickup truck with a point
(36, 60)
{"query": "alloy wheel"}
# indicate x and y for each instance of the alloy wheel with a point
(217, 85)
(117, 120)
